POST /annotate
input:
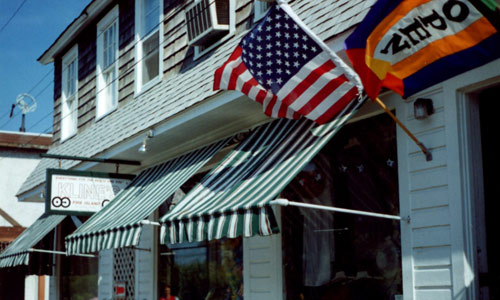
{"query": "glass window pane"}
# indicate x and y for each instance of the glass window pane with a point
(150, 59)
(150, 16)
(331, 254)
(69, 86)
(109, 46)
(215, 268)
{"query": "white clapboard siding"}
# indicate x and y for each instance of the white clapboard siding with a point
(262, 268)
(144, 265)
(105, 278)
(424, 196)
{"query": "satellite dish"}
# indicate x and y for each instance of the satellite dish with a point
(26, 103)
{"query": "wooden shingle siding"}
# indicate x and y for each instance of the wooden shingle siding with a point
(57, 77)
(57, 99)
(177, 55)
(126, 17)
(175, 48)
(86, 76)
(244, 10)
(86, 52)
(126, 51)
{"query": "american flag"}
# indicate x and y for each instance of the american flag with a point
(281, 64)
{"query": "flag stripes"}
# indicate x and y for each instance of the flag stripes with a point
(290, 71)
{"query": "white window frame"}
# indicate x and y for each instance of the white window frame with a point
(141, 87)
(69, 103)
(199, 51)
(260, 9)
(103, 90)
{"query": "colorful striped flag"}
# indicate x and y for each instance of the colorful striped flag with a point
(408, 46)
(284, 66)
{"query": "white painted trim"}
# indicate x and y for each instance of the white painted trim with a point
(69, 57)
(403, 141)
(472, 187)
(139, 87)
(101, 87)
(232, 28)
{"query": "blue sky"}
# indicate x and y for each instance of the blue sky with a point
(33, 29)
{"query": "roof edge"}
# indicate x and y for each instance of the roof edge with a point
(78, 24)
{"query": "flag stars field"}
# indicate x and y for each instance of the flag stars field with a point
(287, 69)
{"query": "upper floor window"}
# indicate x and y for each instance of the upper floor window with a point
(69, 103)
(260, 9)
(107, 64)
(148, 20)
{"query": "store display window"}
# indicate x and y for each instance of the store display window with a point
(330, 255)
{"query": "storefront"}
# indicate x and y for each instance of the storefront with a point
(39, 251)
(207, 218)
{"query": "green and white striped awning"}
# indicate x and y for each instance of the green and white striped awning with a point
(120, 222)
(233, 199)
(18, 252)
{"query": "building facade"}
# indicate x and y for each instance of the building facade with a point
(19, 155)
(137, 75)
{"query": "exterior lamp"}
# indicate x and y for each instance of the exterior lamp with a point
(143, 148)
(422, 108)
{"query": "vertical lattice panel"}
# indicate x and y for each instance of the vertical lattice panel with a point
(124, 270)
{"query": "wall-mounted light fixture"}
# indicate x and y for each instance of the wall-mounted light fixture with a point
(423, 108)
(144, 147)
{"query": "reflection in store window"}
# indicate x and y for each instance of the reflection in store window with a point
(205, 270)
(342, 256)
(78, 280)
(209, 270)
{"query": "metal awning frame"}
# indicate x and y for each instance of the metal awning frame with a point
(59, 252)
(285, 202)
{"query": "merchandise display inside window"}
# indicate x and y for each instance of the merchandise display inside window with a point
(344, 256)
(78, 280)
(208, 270)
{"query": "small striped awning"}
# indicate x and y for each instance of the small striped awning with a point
(120, 222)
(233, 199)
(18, 252)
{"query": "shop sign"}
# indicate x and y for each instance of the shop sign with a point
(119, 289)
(72, 192)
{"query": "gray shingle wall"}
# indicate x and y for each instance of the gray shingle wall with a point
(192, 85)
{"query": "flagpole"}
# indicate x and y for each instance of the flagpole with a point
(428, 154)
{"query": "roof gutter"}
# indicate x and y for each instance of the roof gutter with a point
(67, 36)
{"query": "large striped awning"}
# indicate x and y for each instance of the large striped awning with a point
(120, 222)
(233, 199)
(18, 252)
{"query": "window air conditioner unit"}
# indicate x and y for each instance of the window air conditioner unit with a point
(207, 21)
